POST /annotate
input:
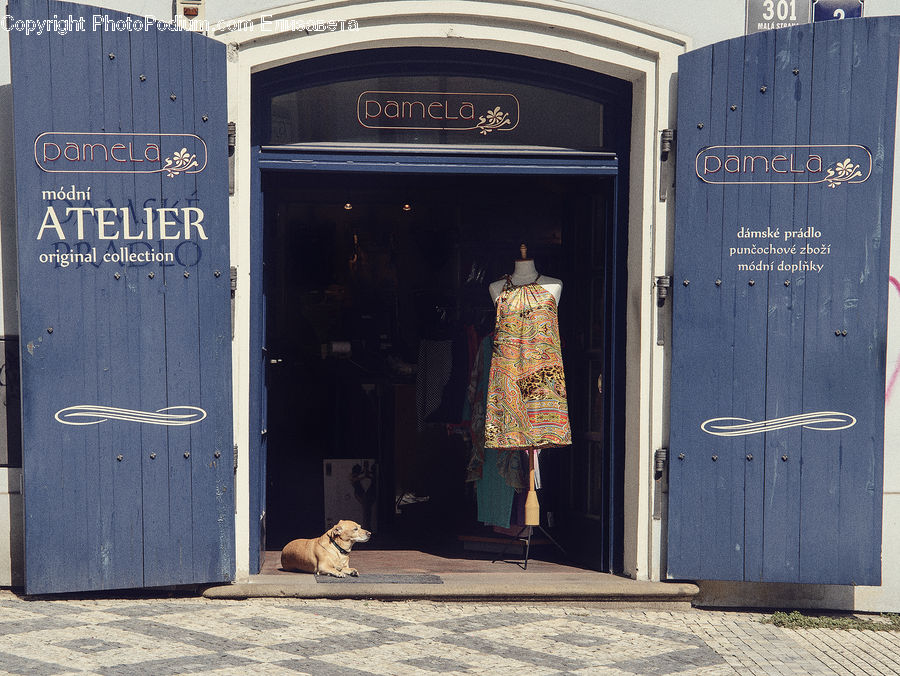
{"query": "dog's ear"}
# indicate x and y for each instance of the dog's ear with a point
(337, 530)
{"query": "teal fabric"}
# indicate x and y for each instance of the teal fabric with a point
(494, 481)
(494, 494)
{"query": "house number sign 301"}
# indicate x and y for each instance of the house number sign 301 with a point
(783, 9)
(764, 15)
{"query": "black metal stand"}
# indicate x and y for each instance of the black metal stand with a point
(526, 540)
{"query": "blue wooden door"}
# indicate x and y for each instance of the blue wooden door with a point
(124, 288)
(785, 170)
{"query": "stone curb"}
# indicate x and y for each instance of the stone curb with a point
(642, 595)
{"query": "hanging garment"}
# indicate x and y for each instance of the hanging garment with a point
(474, 407)
(434, 366)
(495, 474)
(527, 405)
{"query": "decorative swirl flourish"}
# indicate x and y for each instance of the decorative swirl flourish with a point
(737, 427)
(94, 415)
(842, 172)
(181, 161)
(491, 120)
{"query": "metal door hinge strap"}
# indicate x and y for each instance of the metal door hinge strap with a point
(232, 143)
(234, 277)
(663, 283)
(232, 137)
(666, 169)
(660, 462)
(666, 139)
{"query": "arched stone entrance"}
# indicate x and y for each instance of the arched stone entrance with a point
(565, 33)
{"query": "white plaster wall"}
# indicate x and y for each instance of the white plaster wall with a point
(12, 551)
(703, 21)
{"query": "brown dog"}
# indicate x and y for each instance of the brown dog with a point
(328, 554)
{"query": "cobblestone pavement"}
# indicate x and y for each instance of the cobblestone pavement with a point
(281, 636)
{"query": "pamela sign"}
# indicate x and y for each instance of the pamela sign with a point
(120, 153)
(833, 165)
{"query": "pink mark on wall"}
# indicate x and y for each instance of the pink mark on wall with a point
(892, 379)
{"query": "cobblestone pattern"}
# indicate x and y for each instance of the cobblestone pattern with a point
(287, 636)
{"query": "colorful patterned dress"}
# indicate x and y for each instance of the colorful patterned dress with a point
(526, 405)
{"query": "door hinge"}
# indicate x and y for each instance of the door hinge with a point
(660, 461)
(234, 484)
(232, 143)
(232, 137)
(662, 283)
(666, 168)
(233, 273)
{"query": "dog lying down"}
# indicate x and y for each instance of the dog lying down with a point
(328, 554)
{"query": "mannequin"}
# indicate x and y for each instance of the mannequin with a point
(526, 273)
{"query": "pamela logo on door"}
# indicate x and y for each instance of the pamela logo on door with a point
(833, 165)
(120, 153)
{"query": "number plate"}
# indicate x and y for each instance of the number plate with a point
(827, 10)
(763, 15)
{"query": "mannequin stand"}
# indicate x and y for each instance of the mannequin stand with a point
(525, 539)
(532, 518)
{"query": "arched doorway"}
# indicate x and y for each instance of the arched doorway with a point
(642, 56)
(374, 291)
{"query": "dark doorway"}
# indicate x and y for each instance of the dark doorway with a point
(362, 272)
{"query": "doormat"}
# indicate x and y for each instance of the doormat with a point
(381, 578)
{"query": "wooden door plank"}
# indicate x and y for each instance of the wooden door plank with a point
(42, 471)
(118, 446)
(751, 307)
(213, 485)
(824, 386)
(149, 308)
(784, 370)
(688, 455)
(859, 292)
(175, 89)
(721, 481)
